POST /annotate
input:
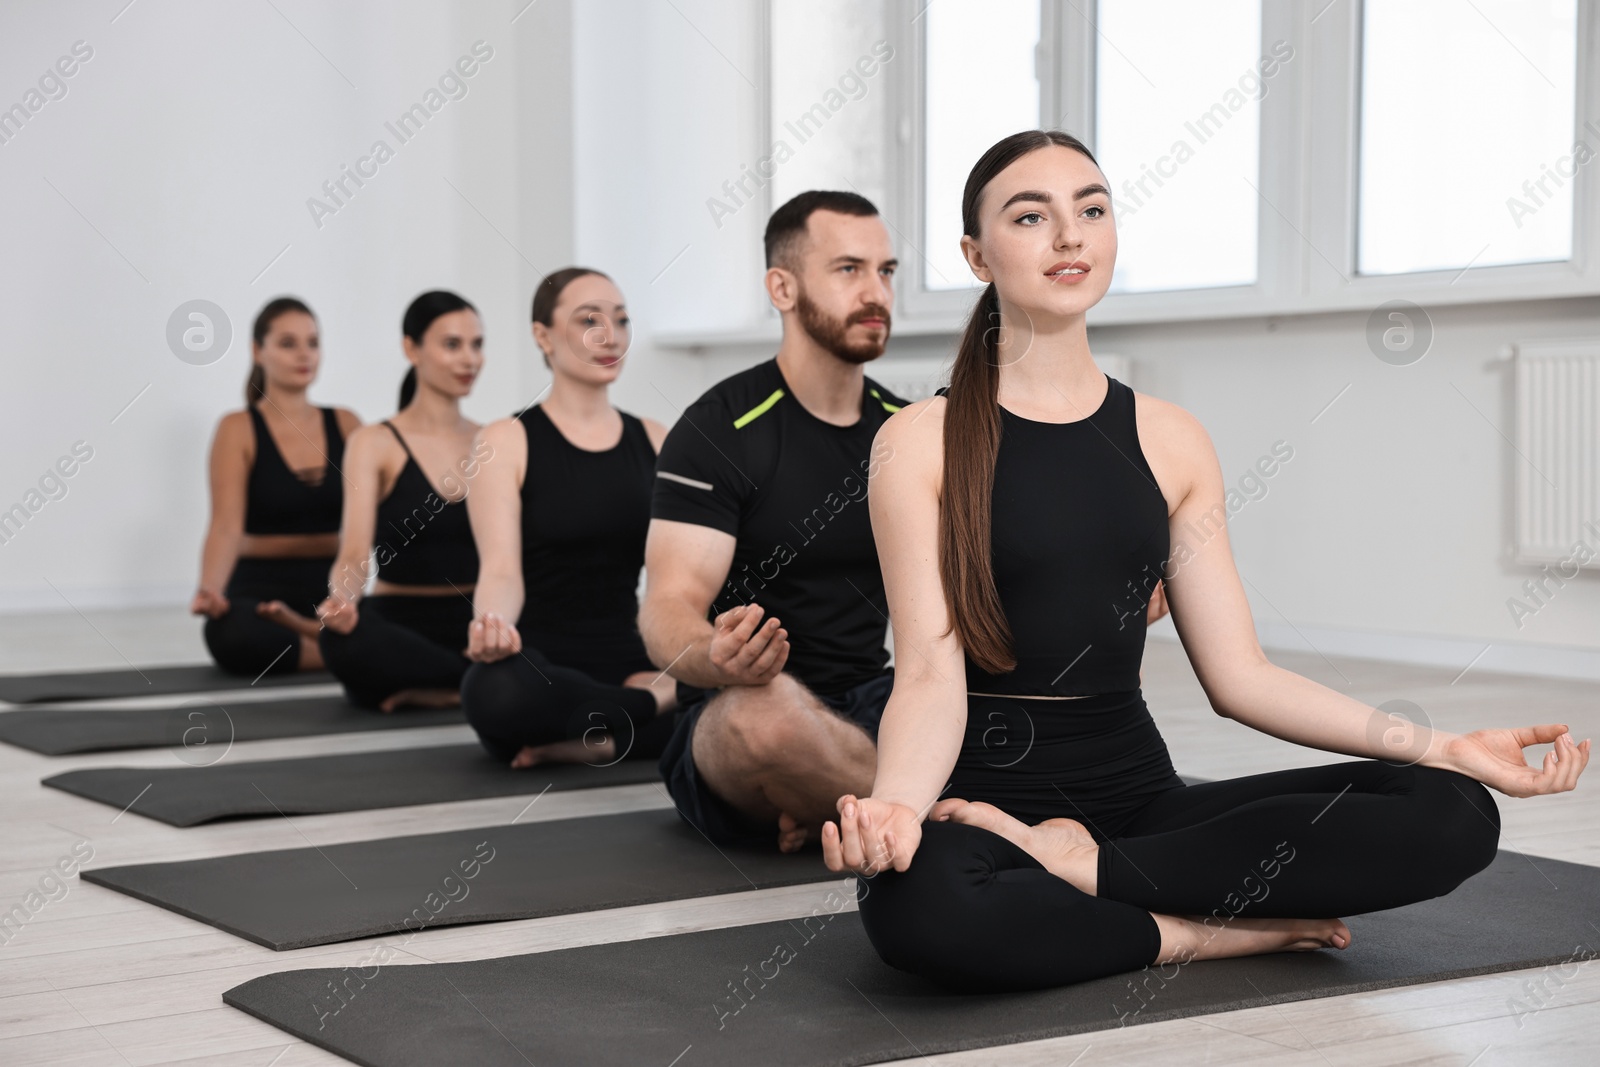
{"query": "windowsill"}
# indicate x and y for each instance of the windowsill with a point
(1137, 309)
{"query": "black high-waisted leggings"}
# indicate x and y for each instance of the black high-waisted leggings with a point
(244, 643)
(399, 642)
(562, 687)
(974, 911)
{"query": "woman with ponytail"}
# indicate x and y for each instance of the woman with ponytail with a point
(1026, 828)
(275, 504)
(560, 673)
(405, 487)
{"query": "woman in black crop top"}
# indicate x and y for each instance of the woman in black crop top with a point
(1022, 526)
(560, 672)
(405, 519)
(275, 505)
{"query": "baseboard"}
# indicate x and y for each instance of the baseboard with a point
(1508, 657)
(93, 598)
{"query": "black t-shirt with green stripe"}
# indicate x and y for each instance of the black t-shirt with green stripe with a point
(748, 459)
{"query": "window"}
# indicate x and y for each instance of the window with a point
(1264, 158)
(1177, 126)
(1467, 153)
(981, 85)
(827, 124)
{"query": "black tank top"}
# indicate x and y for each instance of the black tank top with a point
(421, 538)
(277, 501)
(584, 519)
(1079, 538)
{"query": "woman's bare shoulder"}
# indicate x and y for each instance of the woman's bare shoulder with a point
(920, 422)
(656, 431)
(1166, 425)
(502, 432)
(1176, 445)
(373, 438)
(913, 439)
(234, 430)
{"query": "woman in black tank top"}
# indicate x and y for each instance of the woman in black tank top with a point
(1023, 526)
(560, 673)
(405, 522)
(275, 504)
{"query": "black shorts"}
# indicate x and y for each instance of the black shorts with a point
(720, 821)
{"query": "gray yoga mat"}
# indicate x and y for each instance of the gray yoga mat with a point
(818, 996)
(360, 781)
(296, 898)
(146, 681)
(205, 727)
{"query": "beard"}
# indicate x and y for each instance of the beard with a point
(832, 333)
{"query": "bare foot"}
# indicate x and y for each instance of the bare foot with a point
(1064, 846)
(662, 686)
(421, 698)
(284, 615)
(577, 750)
(1192, 938)
(310, 654)
(792, 836)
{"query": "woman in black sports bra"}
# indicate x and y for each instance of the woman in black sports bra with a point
(275, 505)
(1022, 524)
(405, 483)
(560, 672)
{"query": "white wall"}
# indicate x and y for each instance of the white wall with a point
(664, 114)
(1392, 523)
(178, 166)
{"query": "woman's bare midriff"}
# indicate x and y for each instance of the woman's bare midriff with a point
(1031, 696)
(383, 588)
(288, 546)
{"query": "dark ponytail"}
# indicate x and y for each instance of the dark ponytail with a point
(972, 439)
(255, 387)
(414, 325)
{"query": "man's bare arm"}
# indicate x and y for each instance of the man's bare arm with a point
(685, 565)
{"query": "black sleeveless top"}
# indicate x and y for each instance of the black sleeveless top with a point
(421, 538)
(1079, 539)
(584, 519)
(277, 501)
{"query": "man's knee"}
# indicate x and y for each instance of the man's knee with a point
(755, 728)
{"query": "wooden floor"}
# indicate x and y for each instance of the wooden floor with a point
(99, 978)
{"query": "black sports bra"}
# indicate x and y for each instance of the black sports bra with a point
(1079, 538)
(277, 501)
(421, 538)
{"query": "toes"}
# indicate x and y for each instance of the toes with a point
(945, 808)
(977, 813)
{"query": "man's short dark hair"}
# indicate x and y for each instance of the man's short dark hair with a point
(787, 227)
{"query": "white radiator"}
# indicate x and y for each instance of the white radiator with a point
(1557, 422)
(916, 378)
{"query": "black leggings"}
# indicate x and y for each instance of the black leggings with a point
(562, 687)
(400, 642)
(242, 642)
(975, 912)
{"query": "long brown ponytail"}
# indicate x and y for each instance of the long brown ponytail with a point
(972, 438)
